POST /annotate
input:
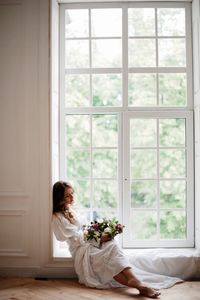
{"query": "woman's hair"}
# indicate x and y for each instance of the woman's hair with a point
(58, 195)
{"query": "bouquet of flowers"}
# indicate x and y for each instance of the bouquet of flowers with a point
(109, 227)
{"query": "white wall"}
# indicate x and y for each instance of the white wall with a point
(24, 133)
(25, 140)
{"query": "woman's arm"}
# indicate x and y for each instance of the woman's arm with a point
(64, 229)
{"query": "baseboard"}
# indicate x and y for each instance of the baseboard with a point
(49, 272)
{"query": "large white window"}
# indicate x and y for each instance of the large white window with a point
(126, 117)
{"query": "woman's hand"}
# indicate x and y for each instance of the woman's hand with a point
(69, 215)
(67, 206)
(105, 238)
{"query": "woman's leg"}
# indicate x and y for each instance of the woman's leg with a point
(121, 278)
(128, 278)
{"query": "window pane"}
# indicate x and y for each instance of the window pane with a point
(172, 163)
(143, 133)
(106, 22)
(106, 53)
(82, 192)
(111, 93)
(172, 132)
(142, 89)
(78, 163)
(171, 52)
(77, 131)
(172, 89)
(141, 21)
(77, 90)
(171, 21)
(105, 193)
(85, 215)
(143, 194)
(172, 194)
(77, 54)
(105, 131)
(143, 163)
(142, 53)
(143, 225)
(173, 225)
(108, 214)
(76, 23)
(105, 163)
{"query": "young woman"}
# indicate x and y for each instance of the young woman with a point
(100, 266)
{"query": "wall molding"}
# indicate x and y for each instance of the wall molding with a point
(10, 2)
(32, 271)
(15, 252)
(13, 194)
(12, 212)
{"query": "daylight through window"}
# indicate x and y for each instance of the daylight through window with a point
(126, 121)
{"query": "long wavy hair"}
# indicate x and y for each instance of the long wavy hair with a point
(58, 195)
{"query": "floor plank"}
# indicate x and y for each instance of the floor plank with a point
(66, 289)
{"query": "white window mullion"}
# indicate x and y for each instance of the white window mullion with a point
(90, 58)
(120, 165)
(126, 180)
(190, 178)
(157, 59)
(125, 57)
(91, 170)
(189, 56)
(157, 69)
(62, 96)
(158, 180)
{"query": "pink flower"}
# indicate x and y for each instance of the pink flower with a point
(95, 225)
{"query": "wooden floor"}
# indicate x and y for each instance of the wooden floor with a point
(66, 289)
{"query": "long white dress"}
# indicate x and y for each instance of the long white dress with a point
(96, 265)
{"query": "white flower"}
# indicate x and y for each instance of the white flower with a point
(97, 234)
(99, 220)
(107, 230)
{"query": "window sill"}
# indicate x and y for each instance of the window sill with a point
(177, 262)
(64, 252)
(178, 251)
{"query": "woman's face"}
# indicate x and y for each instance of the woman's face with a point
(68, 196)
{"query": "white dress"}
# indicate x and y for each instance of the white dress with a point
(96, 265)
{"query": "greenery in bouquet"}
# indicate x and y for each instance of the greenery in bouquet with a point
(109, 227)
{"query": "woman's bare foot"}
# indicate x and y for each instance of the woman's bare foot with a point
(143, 289)
(149, 292)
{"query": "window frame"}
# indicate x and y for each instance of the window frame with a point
(125, 110)
(189, 242)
